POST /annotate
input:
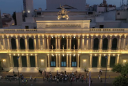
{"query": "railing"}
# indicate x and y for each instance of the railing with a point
(60, 51)
(71, 30)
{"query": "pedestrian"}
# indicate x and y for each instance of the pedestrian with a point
(86, 80)
(101, 80)
(91, 81)
(99, 77)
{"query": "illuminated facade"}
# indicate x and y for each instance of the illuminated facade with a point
(71, 44)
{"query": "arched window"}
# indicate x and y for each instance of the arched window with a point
(74, 43)
(96, 44)
(31, 43)
(52, 43)
(22, 43)
(105, 44)
(13, 43)
(114, 44)
(63, 43)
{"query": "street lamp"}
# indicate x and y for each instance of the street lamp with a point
(106, 69)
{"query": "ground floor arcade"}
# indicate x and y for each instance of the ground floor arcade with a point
(61, 62)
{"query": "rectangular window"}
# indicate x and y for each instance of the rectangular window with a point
(24, 61)
(101, 26)
(94, 61)
(53, 61)
(103, 61)
(74, 63)
(63, 61)
(112, 61)
(15, 60)
(32, 61)
(26, 27)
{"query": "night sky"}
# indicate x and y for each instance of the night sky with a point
(9, 6)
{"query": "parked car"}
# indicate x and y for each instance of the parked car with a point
(8, 77)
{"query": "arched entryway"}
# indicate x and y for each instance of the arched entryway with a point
(114, 44)
(22, 43)
(13, 43)
(74, 43)
(63, 43)
(31, 43)
(96, 44)
(52, 43)
(105, 44)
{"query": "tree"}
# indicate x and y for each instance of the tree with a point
(121, 80)
(117, 68)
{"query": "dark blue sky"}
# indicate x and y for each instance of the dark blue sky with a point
(8, 6)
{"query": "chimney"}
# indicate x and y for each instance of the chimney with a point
(0, 20)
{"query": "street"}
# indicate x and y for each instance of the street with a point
(40, 82)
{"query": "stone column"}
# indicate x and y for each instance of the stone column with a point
(117, 60)
(78, 47)
(28, 60)
(36, 60)
(91, 42)
(108, 64)
(35, 42)
(82, 42)
(3, 42)
(119, 43)
(67, 42)
(70, 61)
(100, 44)
(124, 42)
(59, 60)
(44, 42)
(90, 60)
(47, 42)
(8, 40)
(11, 61)
(48, 60)
(70, 42)
(26, 43)
(67, 60)
(87, 43)
(17, 43)
(99, 61)
(78, 60)
(56, 42)
(56, 60)
(110, 43)
(39, 47)
(19, 61)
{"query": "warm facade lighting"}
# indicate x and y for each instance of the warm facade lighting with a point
(84, 60)
(42, 60)
(124, 61)
(4, 60)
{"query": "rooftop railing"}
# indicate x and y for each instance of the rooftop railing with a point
(71, 30)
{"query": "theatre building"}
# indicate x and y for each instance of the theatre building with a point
(64, 40)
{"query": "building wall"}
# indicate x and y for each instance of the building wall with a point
(53, 5)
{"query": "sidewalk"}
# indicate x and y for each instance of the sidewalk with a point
(38, 75)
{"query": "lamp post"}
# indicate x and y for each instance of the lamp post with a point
(18, 70)
(106, 69)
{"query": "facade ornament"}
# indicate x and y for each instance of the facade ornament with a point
(63, 13)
